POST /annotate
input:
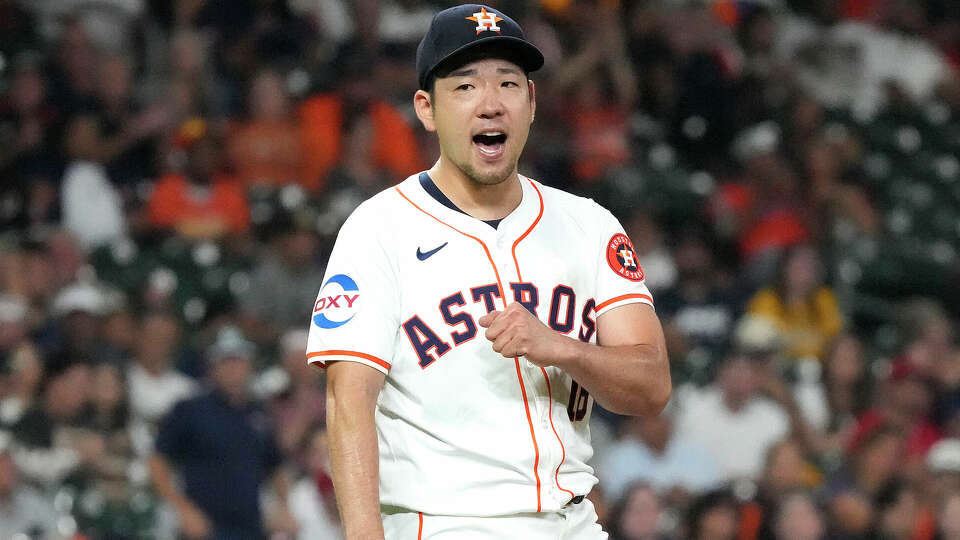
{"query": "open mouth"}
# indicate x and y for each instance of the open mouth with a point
(490, 143)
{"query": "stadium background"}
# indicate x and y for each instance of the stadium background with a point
(788, 171)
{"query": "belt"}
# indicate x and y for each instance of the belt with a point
(577, 499)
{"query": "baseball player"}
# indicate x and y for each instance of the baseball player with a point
(470, 316)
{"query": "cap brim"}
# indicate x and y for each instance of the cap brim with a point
(514, 49)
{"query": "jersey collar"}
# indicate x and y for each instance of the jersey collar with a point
(513, 225)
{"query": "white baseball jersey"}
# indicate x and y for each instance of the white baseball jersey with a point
(462, 430)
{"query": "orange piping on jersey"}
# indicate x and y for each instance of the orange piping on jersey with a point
(524, 235)
(619, 298)
(563, 450)
(420, 527)
(370, 357)
(516, 361)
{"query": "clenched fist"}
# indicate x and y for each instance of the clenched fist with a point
(517, 332)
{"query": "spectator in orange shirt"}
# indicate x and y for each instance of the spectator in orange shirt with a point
(327, 119)
(266, 149)
(203, 202)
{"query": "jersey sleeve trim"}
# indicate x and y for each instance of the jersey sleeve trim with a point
(623, 300)
(321, 358)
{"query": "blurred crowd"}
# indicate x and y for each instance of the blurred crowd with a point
(173, 173)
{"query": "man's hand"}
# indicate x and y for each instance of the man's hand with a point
(517, 332)
(193, 522)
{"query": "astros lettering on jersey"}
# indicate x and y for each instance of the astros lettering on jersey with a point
(462, 430)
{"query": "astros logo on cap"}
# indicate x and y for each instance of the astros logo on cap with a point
(485, 21)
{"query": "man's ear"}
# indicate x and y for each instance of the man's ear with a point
(533, 99)
(424, 108)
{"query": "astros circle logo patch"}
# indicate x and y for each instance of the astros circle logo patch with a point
(622, 258)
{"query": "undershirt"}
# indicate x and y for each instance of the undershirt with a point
(435, 192)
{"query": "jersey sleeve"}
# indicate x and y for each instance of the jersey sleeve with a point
(356, 315)
(620, 279)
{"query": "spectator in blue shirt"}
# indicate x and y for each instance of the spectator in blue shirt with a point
(222, 443)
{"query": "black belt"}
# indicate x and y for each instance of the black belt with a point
(577, 499)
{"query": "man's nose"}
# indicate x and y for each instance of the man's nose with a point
(491, 106)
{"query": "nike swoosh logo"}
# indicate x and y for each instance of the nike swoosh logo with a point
(424, 256)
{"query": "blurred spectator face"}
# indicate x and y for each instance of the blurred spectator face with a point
(806, 114)
(107, 391)
(294, 352)
(69, 391)
(802, 271)
(13, 313)
(268, 100)
(693, 258)
(82, 329)
(26, 369)
(120, 330)
(897, 520)
(851, 514)
(641, 513)
(77, 56)
(738, 381)
(300, 247)
(160, 334)
(27, 90)
(655, 431)
(39, 275)
(844, 362)
(799, 519)
(948, 520)
(8, 475)
(83, 138)
(785, 468)
(187, 53)
(910, 395)
(115, 79)
(231, 375)
(719, 523)
(204, 160)
(880, 457)
(645, 233)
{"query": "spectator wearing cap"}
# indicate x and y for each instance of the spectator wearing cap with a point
(222, 443)
(203, 202)
(79, 309)
(22, 510)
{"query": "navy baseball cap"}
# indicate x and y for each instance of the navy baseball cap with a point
(471, 28)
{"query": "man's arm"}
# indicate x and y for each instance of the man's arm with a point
(193, 522)
(352, 392)
(627, 373)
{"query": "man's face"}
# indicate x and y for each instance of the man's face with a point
(482, 113)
